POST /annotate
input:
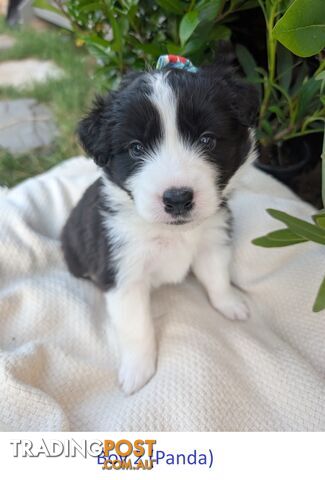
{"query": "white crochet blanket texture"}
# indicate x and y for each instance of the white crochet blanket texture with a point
(58, 370)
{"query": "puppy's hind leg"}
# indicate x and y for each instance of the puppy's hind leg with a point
(129, 309)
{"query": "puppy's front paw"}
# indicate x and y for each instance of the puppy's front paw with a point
(231, 305)
(135, 371)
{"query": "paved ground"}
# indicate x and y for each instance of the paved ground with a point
(25, 125)
(22, 73)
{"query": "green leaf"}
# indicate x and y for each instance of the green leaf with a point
(90, 7)
(193, 46)
(219, 32)
(208, 9)
(95, 40)
(267, 127)
(117, 33)
(246, 60)
(305, 229)
(320, 299)
(247, 5)
(96, 49)
(320, 76)
(173, 6)
(302, 27)
(319, 219)
(298, 82)
(153, 48)
(277, 111)
(187, 26)
(45, 5)
(174, 49)
(278, 238)
(308, 98)
(204, 34)
(284, 67)
(249, 66)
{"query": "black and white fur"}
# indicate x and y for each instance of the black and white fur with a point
(162, 131)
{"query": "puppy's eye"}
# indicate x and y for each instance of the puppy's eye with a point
(136, 150)
(208, 141)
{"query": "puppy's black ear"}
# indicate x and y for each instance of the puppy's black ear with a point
(245, 103)
(93, 131)
(244, 99)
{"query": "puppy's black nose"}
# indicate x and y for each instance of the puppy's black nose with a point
(178, 201)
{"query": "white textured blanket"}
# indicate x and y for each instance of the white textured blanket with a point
(57, 371)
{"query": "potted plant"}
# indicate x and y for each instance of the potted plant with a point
(291, 110)
(290, 30)
(129, 34)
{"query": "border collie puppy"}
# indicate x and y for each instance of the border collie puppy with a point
(168, 142)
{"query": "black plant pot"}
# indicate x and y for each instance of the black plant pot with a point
(285, 161)
(296, 163)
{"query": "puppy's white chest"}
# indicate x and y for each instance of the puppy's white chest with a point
(170, 257)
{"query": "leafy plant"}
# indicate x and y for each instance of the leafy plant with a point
(126, 34)
(297, 231)
(291, 104)
(303, 16)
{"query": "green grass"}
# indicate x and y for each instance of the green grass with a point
(67, 97)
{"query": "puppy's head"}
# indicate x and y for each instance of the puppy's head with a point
(170, 140)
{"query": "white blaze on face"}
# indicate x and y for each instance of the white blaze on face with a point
(172, 163)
